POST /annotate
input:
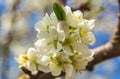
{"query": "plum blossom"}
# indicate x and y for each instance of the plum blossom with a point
(33, 61)
(61, 63)
(62, 44)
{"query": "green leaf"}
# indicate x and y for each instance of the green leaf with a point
(59, 12)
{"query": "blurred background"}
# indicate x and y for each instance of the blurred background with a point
(17, 33)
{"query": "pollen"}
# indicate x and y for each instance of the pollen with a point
(25, 57)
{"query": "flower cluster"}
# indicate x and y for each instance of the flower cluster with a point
(62, 45)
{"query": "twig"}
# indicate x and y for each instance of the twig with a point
(62, 2)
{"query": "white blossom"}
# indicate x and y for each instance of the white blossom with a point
(61, 46)
(85, 31)
(73, 19)
(61, 63)
(22, 59)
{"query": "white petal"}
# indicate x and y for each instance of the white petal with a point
(88, 24)
(31, 54)
(61, 35)
(91, 55)
(91, 24)
(34, 72)
(66, 59)
(20, 59)
(73, 76)
(46, 20)
(73, 19)
(78, 13)
(59, 47)
(44, 68)
(68, 10)
(53, 32)
(63, 26)
(69, 16)
(89, 38)
(30, 66)
(42, 46)
(55, 69)
(42, 30)
(43, 35)
(39, 26)
(68, 70)
(82, 48)
(43, 60)
(67, 50)
(53, 18)
(73, 37)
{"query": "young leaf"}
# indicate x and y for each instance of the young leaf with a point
(59, 12)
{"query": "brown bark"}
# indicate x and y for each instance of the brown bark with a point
(63, 2)
(83, 7)
(103, 53)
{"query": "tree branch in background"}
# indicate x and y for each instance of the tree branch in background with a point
(109, 50)
(83, 7)
(63, 2)
(6, 45)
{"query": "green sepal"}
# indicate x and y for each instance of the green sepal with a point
(59, 12)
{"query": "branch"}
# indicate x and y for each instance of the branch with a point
(103, 53)
(109, 50)
(63, 2)
(83, 7)
(6, 45)
(39, 75)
